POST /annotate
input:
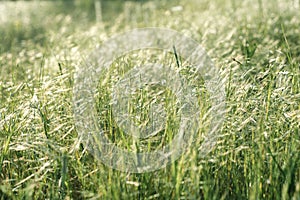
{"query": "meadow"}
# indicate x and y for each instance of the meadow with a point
(255, 45)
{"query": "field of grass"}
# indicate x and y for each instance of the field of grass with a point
(256, 46)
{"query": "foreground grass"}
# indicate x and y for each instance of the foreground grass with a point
(256, 44)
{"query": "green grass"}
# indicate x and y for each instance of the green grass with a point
(256, 46)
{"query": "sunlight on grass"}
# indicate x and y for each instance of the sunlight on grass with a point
(255, 44)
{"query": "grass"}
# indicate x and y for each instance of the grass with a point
(256, 46)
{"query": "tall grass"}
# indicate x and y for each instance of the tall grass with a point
(257, 152)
